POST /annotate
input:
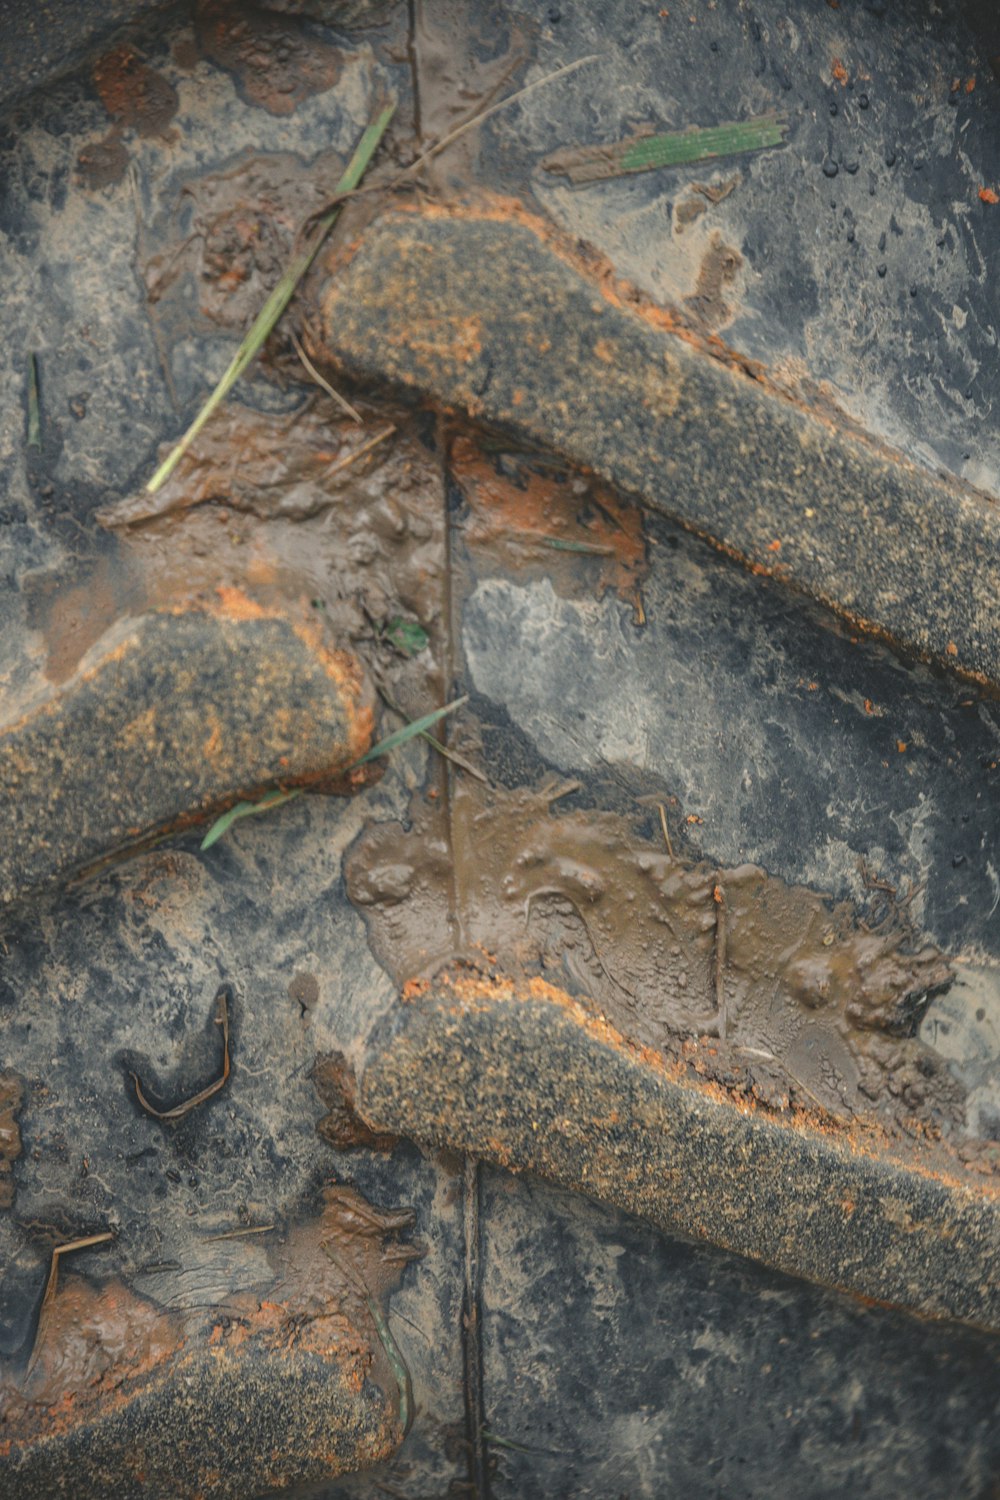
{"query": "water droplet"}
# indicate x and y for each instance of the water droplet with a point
(830, 168)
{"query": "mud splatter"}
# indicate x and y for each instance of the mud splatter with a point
(356, 547)
(102, 1344)
(240, 229)
(274, 64)
(342, 1126)
(11, 1098)
(133, 94)
(820, 1008)
(460, 65)
(700, 196)
(104, 162)
(719, 268)
(555, 522)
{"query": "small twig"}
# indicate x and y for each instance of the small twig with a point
(666, 830)
(529, 88)
(472, 1345)
(86, 1243)
(345, 463)
(180, 1110)
(871, 882)
(34, 404)
(719, 897)
(238, 1234)
(320, 380)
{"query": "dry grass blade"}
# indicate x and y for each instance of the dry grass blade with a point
(666, 829)
(321, 381)
(240, 1234)
(86, 1243)
(279, 299)
(180, 1110)
(352, 458)
(445, 750)
(494, 109)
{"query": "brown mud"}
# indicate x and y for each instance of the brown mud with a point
(11, 1099)
(274, 63)
(342, 1127)
(100, 1344)
(241, 228)
(773, 989)
(458, 69)
(134, 94)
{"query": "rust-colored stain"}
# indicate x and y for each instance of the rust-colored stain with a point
(572, 529)
(987, 195)
(274, 63)
(719, 268)
(134, 94)
(839, 72)
(11, 1098)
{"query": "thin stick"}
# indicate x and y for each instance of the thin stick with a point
(666, 830)
(472, 1348)
(239, 1234)
(180, 1110)
(345, 463)
(34, 405)
(320, 380)
(494, 109)
(279, 299)
(58, 1251)
(719, 897)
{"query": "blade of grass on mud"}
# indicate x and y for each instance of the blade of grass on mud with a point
(279, 299)
(409, 731)
(675, 148)
(246, 810)
(277, 797)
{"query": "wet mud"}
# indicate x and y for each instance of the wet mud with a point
(11, 1099)
(536, 517)
(342, 1127)
(274, 62)
(133, 93)
(780, 993)
(99, 1344)
(461, 63)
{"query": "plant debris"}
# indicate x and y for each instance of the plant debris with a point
(279, 299)
(34, 405)
(675, 148)
(180, 1110)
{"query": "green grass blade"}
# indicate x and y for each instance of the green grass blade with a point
(277, 797)
(409, 731)
(674, 148)
(246, 810)
(279, 299)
